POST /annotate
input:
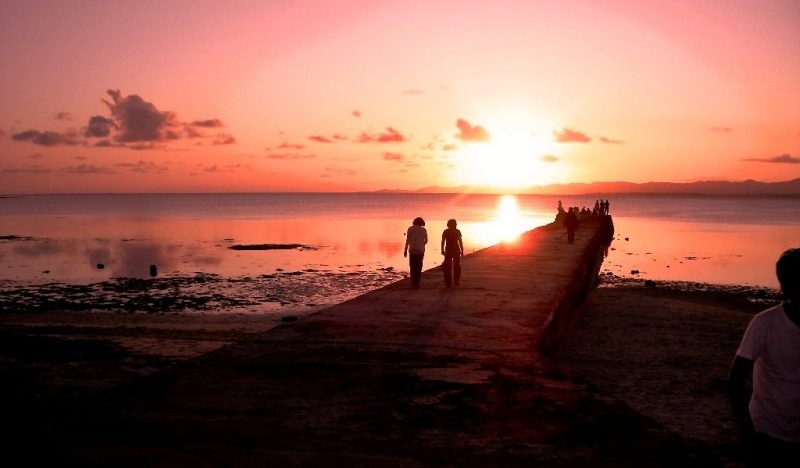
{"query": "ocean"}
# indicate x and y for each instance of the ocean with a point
(91, 238)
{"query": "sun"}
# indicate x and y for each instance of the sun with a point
(512, 158)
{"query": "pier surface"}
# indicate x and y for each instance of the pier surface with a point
(395, 377)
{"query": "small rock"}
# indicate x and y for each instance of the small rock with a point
(649, 283)
(46, 271)
(627, 239)
(153, 271)
(100, 266)
(634, 272)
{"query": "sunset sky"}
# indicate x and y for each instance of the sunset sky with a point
(184, 96)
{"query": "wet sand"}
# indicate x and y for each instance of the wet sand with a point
(664, 351)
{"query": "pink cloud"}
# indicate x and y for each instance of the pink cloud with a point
(782, 159)
(138, 120)
(285, 145)
(88, 169)
(398, 157)
(469, 132)
(290, 156)
(357, 114)
(722, 129)
(208, 123)
(320, 139)
(549, 158)
(389, 136)
(143, 167)
(48, 138)
(610, 141)
(224, 139)
(568, 135)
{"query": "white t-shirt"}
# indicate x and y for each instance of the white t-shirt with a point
(772, 342)
(416, 238)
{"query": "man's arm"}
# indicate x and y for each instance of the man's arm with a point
(461, 246)
(739, 375)
(443, 243)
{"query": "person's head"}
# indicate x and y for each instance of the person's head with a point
(788, 271)
(418, 221)
(451, 223)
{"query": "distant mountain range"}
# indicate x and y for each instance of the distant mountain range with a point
(711, 187)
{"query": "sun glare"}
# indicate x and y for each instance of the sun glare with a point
(512, 159)
(509, 222)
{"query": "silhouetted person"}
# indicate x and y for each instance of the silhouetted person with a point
(452, 249)
(416, 238)
(560, 207)
(769, 420)
(596, 209)
(571, 222)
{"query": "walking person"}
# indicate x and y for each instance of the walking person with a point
(453, 250)
(769, 354)
(416, 238)
(571, 222)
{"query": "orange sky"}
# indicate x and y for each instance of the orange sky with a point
(100, 96)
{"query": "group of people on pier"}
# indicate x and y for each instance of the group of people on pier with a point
(571, 217)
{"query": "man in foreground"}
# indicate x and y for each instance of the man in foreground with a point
(769, 419)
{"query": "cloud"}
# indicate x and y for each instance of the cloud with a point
(137, 119)
(224, 139)
(548, 158)
(320, 139)
(338, 170)
(88, 169)
(191, 132)
(356, 113)
(47, 138)
(285, 145)
(568, 135)
(610, 141)
(143, 146)
(290, 156)
(99, 127)
(413, 92)
(722, 129)
(208, 123)
(389, 136)
(134, 123)
(339, 137)
(469, 132)
(782, 159)
(225, 168)
(398, 157)
(449, 147)
(30, 169)
(143, 167)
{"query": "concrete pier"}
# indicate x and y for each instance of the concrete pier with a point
(395, 377)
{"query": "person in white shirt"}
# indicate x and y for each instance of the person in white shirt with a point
(416, 238)
(769, 354)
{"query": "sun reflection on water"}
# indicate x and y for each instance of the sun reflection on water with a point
(508, 223)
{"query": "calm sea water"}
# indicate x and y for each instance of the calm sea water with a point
(733, 240)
